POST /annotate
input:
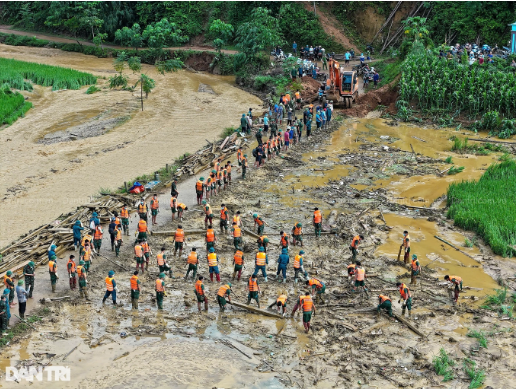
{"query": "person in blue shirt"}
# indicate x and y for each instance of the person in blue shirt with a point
(283, 261)
(77, 228)
(323, 117)
(314, 73)
(362, 58)
(96, 222)
(52, 251)
(328, 114)
(318, 120)
(300, 70)
(265, 123)
(294, 47)
(110, 287)
(347, 57)
(376, 78)
(291, 132)
(7, 292)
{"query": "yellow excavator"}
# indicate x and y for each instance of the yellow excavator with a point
(343, 85)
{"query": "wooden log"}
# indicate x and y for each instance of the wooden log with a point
(404, 321)
(255, 310)
(455, 247)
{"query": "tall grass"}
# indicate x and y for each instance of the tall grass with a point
(443, 365)
(12, 105)
(487, 207)
(477, 376)
(15, 73)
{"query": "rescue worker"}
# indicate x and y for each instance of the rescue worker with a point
(263, 241)
(52, 270)
(72, 272)
(297, 234)
(77, 228)
(245, 165)
(354, 246)
(209, 182)
(181, 208)
(384, 302)
(147, 251)
(240, 155)
(360, 277)
(160, 290)
(201, 296)
(224, 217)
(142, 210)
(307, 305)
(4, 306)
(193, 262)
(173, 206)
(238, 260)
(237, 219)
(124, 216)
(87, 256)
(229, 167)
(258, 221)
(406, 246)
(154, 204)
(209, 214)
(318, 287)
(237, 235)
(142, 229)
(179, 238)
(406, 296)
(173, 188)
(298, 266)
(351, 272)
(199, 190)
(97, 238)
(415, 270)
(138, 255)
(281, 303)
(112, 233)
(260, 264)
(223, 294)
(118, 240)
(317, 221)
(52, 249)
(28, 273)
(9, 284)
(283, 240)
(213, 264)
(254, 290)
(21, 293)
(213, 176)
(210, 238)
(135, 289)
(457, 282)
(83, 283)
(110, 287)
(162, 262)
(283, 261)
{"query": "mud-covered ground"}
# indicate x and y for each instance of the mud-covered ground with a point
(350, 170)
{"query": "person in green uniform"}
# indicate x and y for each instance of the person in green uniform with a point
(244, 166)
(243, 123)
(201, 294)
(223, 294)
(135, 289)
(193, 262)
(3, 313)
(10, 286)
(258, 221)
(237, 240)
(297, 234)
(254, 290)
(52, 269)
(125, 220)
(406, 296)
(28, 273)
(384, 302)
(173, 188)
(274, 127)
(160, 290)
(415, 269)
(83, 283)
(324, 63)
(7, 307)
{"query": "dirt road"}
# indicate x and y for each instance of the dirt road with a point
(6, 29)
(38, 182)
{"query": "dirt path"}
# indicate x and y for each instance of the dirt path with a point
(60, 39)
(39, 181)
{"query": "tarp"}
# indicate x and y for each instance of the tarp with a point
(137, 188)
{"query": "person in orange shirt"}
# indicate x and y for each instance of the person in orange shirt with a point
(154, 204)
(224, 218)
(360, 277)
(179, 238)
(138, 255)
(281, 303)
(135, 289)
(237, 236)
(192, 262)
(254, 290)
(354, 246)
(110, 287)
(228, 169)
(317, 221)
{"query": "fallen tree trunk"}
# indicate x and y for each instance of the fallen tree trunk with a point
(255, 310)
(404, 321)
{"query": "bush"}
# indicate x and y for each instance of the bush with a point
(92, 89)
(443, 365)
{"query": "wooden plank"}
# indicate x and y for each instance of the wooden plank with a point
(404, 321)
(255, 310)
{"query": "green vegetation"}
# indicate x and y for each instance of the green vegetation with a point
(448, 159)
(496, 125)
(92, 89)
(12, 105)
(480, 335)
(443, 365)
(468, 243)
(227, 132)
(462, 146)
(476, 376)
(389, 70)
(22, 327)
(455, 170)
(500, 302)
(15, 73)
(483, 206)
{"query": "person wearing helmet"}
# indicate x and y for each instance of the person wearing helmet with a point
(223, 294)
(283, 261)
(213, 264)
(298, 266)
(112, 232)
(71, 267)
(77, 228)
(254, 290)
(9, 285)
(297, 234)
(199, 189)
(208, 219)
(52, 270)
(142, 210)
(261, 262)
(263, 241)
(160, 290)
(51, 250)
(415, 269)
(21, 293)
(110, 287)
(83, 283)
(28, 273)
(258, 221)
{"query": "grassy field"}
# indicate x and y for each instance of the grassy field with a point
(12, 105)
(16, 73)
(487, 207)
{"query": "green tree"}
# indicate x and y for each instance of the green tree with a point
(163, 33)
(130, 37)
(261, 33)
(221, 33)
(415, 28)
(120, 80)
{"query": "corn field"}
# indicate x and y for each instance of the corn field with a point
(488, 207)
(16, 73)
(439, 84)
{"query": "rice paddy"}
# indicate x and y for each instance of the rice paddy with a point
(487, 207)
(12, 105)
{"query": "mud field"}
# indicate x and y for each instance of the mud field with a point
(364, 172)
(70, 145)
